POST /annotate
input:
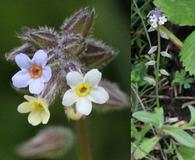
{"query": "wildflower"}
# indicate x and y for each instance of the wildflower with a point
(33, 72)
(150, 63)
(150, 80)
(38, 108)
(84, 90)
(156, 17)
(152, 49)
(164, 72)
(165, 54)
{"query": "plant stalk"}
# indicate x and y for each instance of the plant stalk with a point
(157, 68)
(85, 151)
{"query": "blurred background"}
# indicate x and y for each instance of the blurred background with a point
(109, 132)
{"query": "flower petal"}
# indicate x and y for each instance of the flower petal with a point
(24, 107)
(36, 86)
(45, 117)
(93, 77)
(47, 73)
(69, 98)
(30, 98)
(84, 106)
(23, 61)
(40, 58)
(21, 79)
(34, 118)
(74, 78)
(99, 95)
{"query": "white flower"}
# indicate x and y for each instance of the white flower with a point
(151, 29)
(38, 108)
(156, 17)
(162, 20)
(165, 54)
(164, 35)
(84, 90)
(150, 80)
(33, 72)
(164, 72)
(152, 49)
(150, 63)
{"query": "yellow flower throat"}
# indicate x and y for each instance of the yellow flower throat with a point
(39, 106)
(83, 89)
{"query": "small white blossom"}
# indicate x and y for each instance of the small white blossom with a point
(162, 20)
(84, 90)
(38, 108)
(163, 35)
(152, 49)
(34, 72)
(164, 72)
(150, 63)
(151, 29)
(165, 54)
(150, 80)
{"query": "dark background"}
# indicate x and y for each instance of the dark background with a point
(109, 131)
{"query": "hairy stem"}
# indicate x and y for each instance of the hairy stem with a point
(157, 68)
(85, 151)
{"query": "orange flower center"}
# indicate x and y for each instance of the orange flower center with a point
(35, 71)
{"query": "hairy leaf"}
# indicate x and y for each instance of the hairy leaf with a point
(180, 136)
(146, 147)
(147, 117)
(187, 54)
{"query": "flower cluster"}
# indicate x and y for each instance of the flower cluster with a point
(156, 17)
(64, 63)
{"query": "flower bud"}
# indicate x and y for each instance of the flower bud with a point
(72, 114)
(80, 23)
(117, 98)
(25, 48)
(96, 54)
(42, 38)
(51, 142)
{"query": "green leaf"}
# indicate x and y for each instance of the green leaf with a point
(182, 78)
(186, 153)
(180, 136)
(180, 12)
(192, 112)
(187, 53)
(160, 115)
(179, 156)
(147, 117)
(146, 147)
(138, 73)
(156, 118)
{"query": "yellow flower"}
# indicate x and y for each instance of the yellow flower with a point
(38, 108)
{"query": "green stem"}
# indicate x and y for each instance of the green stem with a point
(171, 36)
(85, 151)
(157, 68)
(144, 25)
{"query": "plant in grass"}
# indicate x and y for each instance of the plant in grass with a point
(171, 134)
(181, 78)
